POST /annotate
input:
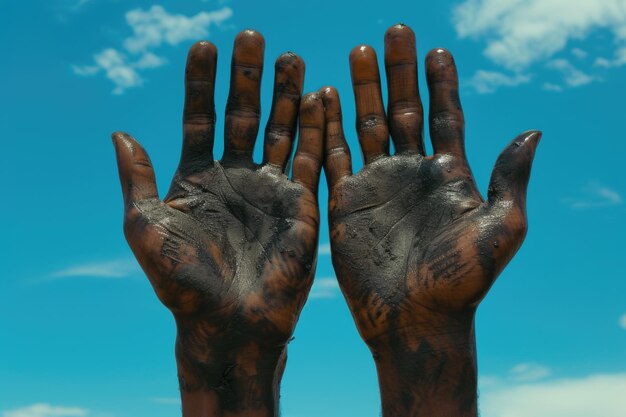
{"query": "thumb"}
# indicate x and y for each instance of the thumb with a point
(135, 169)
(509, 179)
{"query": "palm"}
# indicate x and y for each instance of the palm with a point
(260, 229)
(414, 223)
(231, 250)
(414, 244)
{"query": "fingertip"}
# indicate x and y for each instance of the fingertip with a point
(328, 89)
(311, 97)
(362, 53)
(289, 69)
(288, 60)
(312, 111)
(399, 30)
(332, 105)
(122, 138)
(328, 93)
(202, 57)
(533, 137)
(438, 53)
(249, 48)
(202, 47)
(250, 37)
(438, 58)
(527, 140)
(116, 136)
(399, 27)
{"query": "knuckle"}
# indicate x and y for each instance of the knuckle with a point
(370, 124)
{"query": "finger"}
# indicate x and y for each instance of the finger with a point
(404, 107)
(371, 122)
(511, 173)
(337, 160)
(243, 109)
(281, 126)
(307, 164)
(447, 125)
(135, 169)
(199, 110)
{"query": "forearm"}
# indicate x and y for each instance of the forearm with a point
(233, 383)
(430, 376)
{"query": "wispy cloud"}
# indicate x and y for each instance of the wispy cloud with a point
(594, 395)
(166, 400)
(521, 34)
(489, 81)
(324, 288)
(151, 29)
(595, 195)
(622, 321)
(572, 76)
(81, 3)
(46, 410)
(109, 269)
(526, 372)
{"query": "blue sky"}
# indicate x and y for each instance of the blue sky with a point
(83, 333)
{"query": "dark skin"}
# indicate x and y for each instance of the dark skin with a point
(414, 245)
(232, 248)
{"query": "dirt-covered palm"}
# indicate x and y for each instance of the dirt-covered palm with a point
(414, 244)
(231, 251)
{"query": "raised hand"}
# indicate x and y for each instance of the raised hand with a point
(231, 251)
(414, 245)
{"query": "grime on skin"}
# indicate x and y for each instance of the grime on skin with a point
(232, 248)
(414, 245)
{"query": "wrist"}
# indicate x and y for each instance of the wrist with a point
(427, 372)
(229, 381)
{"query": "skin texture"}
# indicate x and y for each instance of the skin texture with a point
(414, 245)
(232, 248)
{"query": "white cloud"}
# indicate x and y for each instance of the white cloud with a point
(150, 60)
(595, 195)
(595, 395)
(622, 321)
(155, 26)
(552, 87)
(118, 70)
(85, 70)
(151, 29)
(489, 81)
(46, 410)
(520, 33)
(618, 60)
(323, 249)
(526, 372)
(108, 269)
(324, 288)
(572, 76)
(579, 53)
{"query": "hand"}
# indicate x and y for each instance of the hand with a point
(414, 245)
(231, 251)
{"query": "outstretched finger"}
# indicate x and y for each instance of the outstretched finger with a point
(447, 125)
(281, 126)
(510, 176)
(243, 109)
(307, 163)
(371, 122)
(337, 159)
(135, 170)
(199, 110)
(404, 107)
